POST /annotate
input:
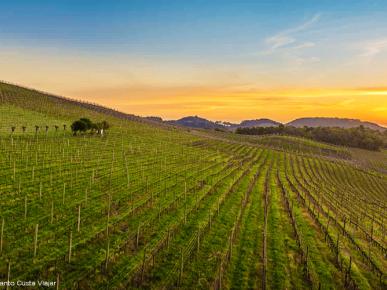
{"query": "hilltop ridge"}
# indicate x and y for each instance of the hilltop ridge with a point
(200, 122)
(333, 122)
(10, 92)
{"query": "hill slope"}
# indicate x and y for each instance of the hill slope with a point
(148, 206)
(49, 103)
(196, 122)
(333, 122)
(258, 123)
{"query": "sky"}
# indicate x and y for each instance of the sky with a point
(222, 60)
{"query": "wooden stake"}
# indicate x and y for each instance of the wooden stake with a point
(168, 237)
(14, 170)
(185, 191)
(70, 245)
(25, 207)
(181, 267)
(52, 212)
(198, 242)
(64, 193)
(8, 273)
(185, 213)
(337, 247)
(2, 235)
(231, 239)
(36, 239)
(57, 281)
(107, 253)
(79, 218)
(138, 235)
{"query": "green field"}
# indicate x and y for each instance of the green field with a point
(150, 206)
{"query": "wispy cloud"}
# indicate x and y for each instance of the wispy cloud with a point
(304, 25)
(303, 45)
(278, 41)
(287, 36)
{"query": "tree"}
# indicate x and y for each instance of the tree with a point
(101, 127)
(361, 136)
(85, 124)
(89, 124)
(78, 126)
(105, 125)
(281, 128)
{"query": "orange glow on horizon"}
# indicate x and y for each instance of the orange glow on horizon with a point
(172, 90)
(217, 103)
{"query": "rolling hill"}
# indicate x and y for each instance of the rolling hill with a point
(258, 123)
(198, 122)
(333, 122)
(153, 206)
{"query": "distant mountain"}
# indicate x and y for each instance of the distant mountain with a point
(196, 122)
(333, 122)
(259, 123)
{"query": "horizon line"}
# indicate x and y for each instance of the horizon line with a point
(169, 119)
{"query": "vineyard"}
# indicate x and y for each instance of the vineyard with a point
(148, 206)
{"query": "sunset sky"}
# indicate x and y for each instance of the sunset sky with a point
(222, 60)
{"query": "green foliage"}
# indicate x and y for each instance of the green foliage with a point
(104, 125)
(88, 124)
(85, 124)
(79, 126)
(360, 137)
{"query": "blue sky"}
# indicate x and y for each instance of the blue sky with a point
(188, 28)
(242, 46)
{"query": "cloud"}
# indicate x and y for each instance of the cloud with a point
(304, 25)
(278, 41)
(286, 37)
(377, 93)
(374, 47)
(303, 45)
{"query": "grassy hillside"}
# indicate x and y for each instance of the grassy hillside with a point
(284, 143)
(154, 207)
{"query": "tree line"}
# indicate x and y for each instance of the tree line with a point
(360, 137)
